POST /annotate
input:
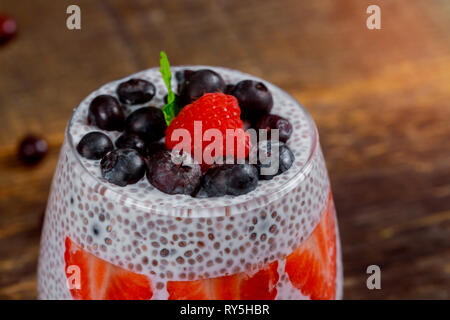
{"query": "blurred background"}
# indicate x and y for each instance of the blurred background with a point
(380, 98)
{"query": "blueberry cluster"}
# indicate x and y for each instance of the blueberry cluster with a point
(124, 162)
(138, 151)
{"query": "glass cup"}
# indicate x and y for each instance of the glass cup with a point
(281, 241)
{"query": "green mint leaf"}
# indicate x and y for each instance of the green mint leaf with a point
(165, 70)
(169, 112)
(169, 109)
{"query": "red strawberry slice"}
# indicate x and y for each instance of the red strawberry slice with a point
(216, 111)
(260, 286)
(312, 267)
(101, 280)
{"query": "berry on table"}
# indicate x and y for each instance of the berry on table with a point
(135, 91)
(148, 123)
(94, 145)
(123, 167)
(32, 149)
(129, 140)
(106, 113)
(267, 150)
(254, 99)
(272, 121)
(172, 173)
(8, 29)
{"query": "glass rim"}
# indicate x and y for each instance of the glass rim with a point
(187, 211)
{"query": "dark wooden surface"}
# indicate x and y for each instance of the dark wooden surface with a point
(381, 100)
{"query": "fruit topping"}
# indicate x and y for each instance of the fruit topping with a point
(243, 179)
(200, 82)
(254, 99)
(202, 124)
(215, 181)
(147, 122)
(129, 140)
(106, 113)
(155, 147)
(173, 172)
(135, 91)
(229, 89)
(231, 179)
(94, 145)
(241, 286)
(312, 267)
(182, 76)
(123, 167)
(101, 280)
(215, 111)
(32, 149)
(274, 158)
(271, 121)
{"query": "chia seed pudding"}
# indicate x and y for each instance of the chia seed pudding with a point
(175, 238)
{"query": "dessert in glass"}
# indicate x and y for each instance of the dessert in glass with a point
(123, 222)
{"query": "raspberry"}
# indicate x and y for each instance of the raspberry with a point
(213, 111)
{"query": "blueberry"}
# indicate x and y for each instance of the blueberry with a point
(231, 179)
(266, 150)
(181, 176)
(154, 148)
(106, 113)
(271, 121)
(247, 125)
(148, 123)
(32, 149)
(182, 76)
(135, 91)
(129, 140)
(123, 167)
(94, 145)
(201, 82)
(254, 99)
(243, 179)
(215, 181)
(229, 89)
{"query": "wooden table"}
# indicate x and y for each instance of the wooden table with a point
(381, 100)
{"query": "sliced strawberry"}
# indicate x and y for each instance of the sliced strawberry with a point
(260, 286)
(312, 267)
(101, 280)
(191, 290)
